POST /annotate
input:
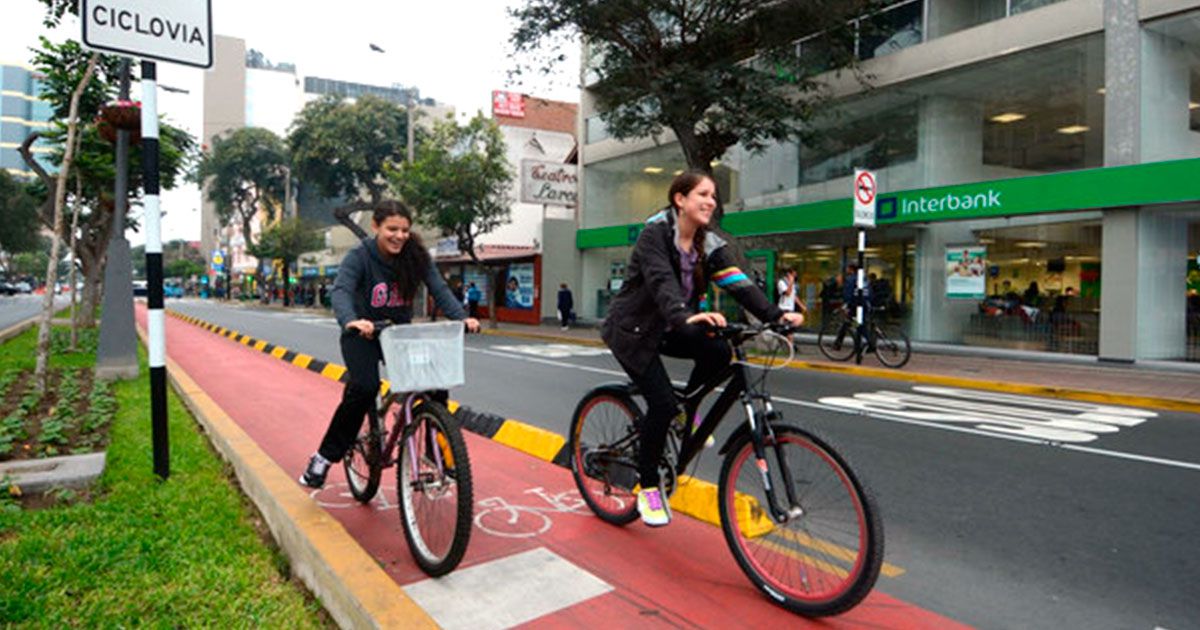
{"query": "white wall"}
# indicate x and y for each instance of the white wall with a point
(525, 226)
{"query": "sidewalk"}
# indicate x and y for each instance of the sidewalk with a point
(535, 555)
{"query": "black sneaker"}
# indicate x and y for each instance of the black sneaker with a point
(314, 474)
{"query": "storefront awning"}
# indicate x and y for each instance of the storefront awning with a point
(491, 253)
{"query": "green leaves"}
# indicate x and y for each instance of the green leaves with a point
(459, 181)
(245, 169)
(287, 240)
(342, 147)
(18, 216)
(715, 72)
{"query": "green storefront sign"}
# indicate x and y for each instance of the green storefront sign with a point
(1114, 187)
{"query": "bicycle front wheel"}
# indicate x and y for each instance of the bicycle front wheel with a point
(604, 446)
(825, 557)
(836, 339)
(364, 462)
(433, 479)
(892, 346)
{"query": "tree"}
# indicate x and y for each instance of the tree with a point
(716, 72)
(342, 147)
(459, 181)
(244, 171)
(286, 241)
(18, 220)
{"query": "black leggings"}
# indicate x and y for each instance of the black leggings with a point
(362, 357)
(689, 342)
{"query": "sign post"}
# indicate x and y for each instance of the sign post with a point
(865, 192)
(177, 31)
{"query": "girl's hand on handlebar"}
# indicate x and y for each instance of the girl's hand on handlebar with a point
(716, 320)
(365, 327)
(472, 324)
(792, 319)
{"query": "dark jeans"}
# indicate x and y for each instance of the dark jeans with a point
(362, 357)
(690, 342)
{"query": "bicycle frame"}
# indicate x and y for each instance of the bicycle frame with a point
(389, 452)
(757, 424)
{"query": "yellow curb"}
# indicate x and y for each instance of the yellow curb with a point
(260, 345)
(278, 352)
(527, 438)
(345, 578)
(333, 372)
(302, 361)
(1169, 404)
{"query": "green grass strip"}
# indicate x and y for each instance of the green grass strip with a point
(144, 552)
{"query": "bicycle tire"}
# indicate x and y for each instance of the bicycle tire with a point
(892, 347)
(823, 562)
(603, 446)
(436, 504)
(827, 339)
(363, 463)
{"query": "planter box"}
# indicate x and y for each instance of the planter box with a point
(35, 476)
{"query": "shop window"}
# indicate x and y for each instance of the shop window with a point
(874, 141)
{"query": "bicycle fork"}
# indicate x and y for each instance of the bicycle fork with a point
(759, 432)
(419, 482)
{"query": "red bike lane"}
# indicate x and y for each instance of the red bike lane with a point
(537, 556)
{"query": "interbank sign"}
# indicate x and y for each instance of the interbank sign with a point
(1113, 187)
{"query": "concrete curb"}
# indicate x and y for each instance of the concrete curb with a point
(18, 328)
(352, 587)
(694, 497)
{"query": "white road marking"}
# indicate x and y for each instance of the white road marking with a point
(506, 592)
(884, 416)
(555, 350)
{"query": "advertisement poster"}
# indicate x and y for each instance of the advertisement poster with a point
(966, 272)
(518, 289)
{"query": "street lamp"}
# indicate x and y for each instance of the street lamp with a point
(408, 102)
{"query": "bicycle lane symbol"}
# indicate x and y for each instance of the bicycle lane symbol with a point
(500, 518)
(337, 496)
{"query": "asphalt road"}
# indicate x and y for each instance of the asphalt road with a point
(1005, 512)
(15, 309)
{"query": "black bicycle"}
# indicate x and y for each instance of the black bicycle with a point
(799, 522)
(842, 338)
(433, 473)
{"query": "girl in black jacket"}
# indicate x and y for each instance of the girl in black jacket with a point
(657, 313)
(376, 281)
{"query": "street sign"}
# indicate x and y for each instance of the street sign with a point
(218, 261)
(177, 31)
(864, 198)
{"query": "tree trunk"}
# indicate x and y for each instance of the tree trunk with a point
(41, 376)
(93, 275)
(71, 286)
(287, 298)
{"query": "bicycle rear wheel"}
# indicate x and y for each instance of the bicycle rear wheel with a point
(826, 557)
(433, 479)
(604, 446)
(364, 462)
(892, 346)
(836, 339)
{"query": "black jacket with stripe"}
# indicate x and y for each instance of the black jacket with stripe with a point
(651, 300)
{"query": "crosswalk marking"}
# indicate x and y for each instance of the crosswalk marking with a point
(554, 350)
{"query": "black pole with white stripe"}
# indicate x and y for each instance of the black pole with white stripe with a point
(154, 272)
(861, 314)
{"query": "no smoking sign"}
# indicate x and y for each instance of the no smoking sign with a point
(864, 198)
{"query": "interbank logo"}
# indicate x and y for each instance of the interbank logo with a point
(892, 206)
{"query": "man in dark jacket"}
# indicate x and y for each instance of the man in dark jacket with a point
(566, 306)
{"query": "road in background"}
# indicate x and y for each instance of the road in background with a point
(1005, 511)
(15, 309)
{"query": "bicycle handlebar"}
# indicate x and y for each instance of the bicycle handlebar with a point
(736, 331)
(381, 324)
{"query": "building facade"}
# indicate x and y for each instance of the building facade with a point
(22, 112)
(1039, 174)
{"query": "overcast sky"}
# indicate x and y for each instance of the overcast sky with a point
(455, 51)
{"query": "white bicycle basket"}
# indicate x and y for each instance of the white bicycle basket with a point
(421, 357)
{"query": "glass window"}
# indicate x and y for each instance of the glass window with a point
(594, 129)
(895, 28)
(1171, 88)
(1193, 292)
(875, 140)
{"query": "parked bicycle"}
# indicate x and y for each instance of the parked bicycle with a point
(797, 519)
(414, 431)
(842, 338)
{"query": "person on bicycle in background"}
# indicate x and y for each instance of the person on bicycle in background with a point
(657, 312)
(376, 281)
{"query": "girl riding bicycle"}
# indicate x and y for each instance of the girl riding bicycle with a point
(376, 281)
(657, 312)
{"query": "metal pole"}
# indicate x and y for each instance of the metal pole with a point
(409, 141)
(154, 272)
(860, 312)
(116, 352)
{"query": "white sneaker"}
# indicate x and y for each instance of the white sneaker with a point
(653, 507)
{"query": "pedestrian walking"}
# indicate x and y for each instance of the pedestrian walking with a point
(566, 306)
(473, 297)
(377, 280)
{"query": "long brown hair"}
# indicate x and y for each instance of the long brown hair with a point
(683, 184)
(412, 263)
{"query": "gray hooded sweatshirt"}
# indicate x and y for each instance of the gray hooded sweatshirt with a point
(366, 289)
